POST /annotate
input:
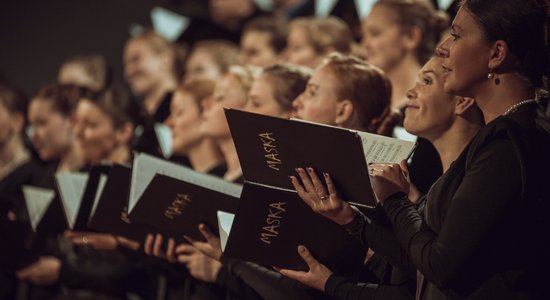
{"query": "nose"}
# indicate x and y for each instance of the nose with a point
(411, 93)
(297, 103)
(443, 49)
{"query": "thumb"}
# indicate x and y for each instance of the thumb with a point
(307, 257)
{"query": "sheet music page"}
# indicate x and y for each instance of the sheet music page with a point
(99, 191)
(164, 136)
(383, 149)
(225, 221)
(146, 166)
(71, 187)
(37, 200)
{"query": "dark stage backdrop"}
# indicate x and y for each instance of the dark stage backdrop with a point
(37, 35)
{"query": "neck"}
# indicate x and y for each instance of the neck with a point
(204, 156)
(494, 99)
(72, 160)
(10, 149)
(452, 142)
(153, 99)
(120, 155)
(402, 77)
(231, 158)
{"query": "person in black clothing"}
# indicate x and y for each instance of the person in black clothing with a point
(153, 67)
(495, 190)
(447, 121)
(399, 37)
(184, 122)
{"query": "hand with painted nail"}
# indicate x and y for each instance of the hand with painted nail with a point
(153, 246)
(212, 247)
(317, 275)
(322, 197)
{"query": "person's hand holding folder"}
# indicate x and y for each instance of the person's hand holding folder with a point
(322, 197)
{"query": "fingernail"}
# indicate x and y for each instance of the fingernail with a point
(310, 170)
(325, 174)
(301, 248)
(291, 177)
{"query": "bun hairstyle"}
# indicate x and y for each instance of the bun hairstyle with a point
(423, 15)
(525, 26)
(368, 88)
(245, 75)
(289, 81)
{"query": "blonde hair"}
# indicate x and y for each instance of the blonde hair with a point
(326, 33)
(224, 53)
(245, 76)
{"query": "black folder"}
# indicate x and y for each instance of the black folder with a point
(111, 214)
(270, 149)
(270, 224)
(89, 196)
(178, 207)
(17, 246)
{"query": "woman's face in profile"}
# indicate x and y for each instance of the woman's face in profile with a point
(184, 122)
(228, 93)
(383, 38)
(95, 132)
(300, 50)
(430, 111)
(319, 102)
(261, 99)
(51, 131)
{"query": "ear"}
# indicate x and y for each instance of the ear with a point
(125, 133)
(344, 112)
(498, 55)
(17, 122)
(463, 104)
(413, 38)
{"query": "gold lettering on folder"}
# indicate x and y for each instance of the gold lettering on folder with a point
(176, 207)
(271, 230)
(270, 150)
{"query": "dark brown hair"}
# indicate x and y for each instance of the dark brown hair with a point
(524, 26)
(289, 81)
(63, 98)
(118, 105)
(368, 88)
(275, 25)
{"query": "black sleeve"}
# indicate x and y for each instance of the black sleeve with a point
(234, 285)
(381, 239)
(269, 284)
(489, 188)
(341, 288)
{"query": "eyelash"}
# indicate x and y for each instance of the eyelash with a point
(455, 36)
(426, 81)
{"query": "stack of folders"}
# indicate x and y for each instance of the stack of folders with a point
(272, 220)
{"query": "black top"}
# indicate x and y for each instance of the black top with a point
(485, 221)
(147, 141)
(11, 195)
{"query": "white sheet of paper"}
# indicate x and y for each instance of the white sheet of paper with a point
(146, 166)
(100, 187)
(71, 188)
(402, 134)
(383, 149)
(168, 23)
(225, 221)
(164, 136)
(37, 200)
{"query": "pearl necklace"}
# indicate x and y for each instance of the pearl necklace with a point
(515, 106)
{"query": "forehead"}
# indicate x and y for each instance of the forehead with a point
(380, 15)
(254, 36)
(433, 65)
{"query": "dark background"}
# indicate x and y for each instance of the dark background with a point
(37, 35)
